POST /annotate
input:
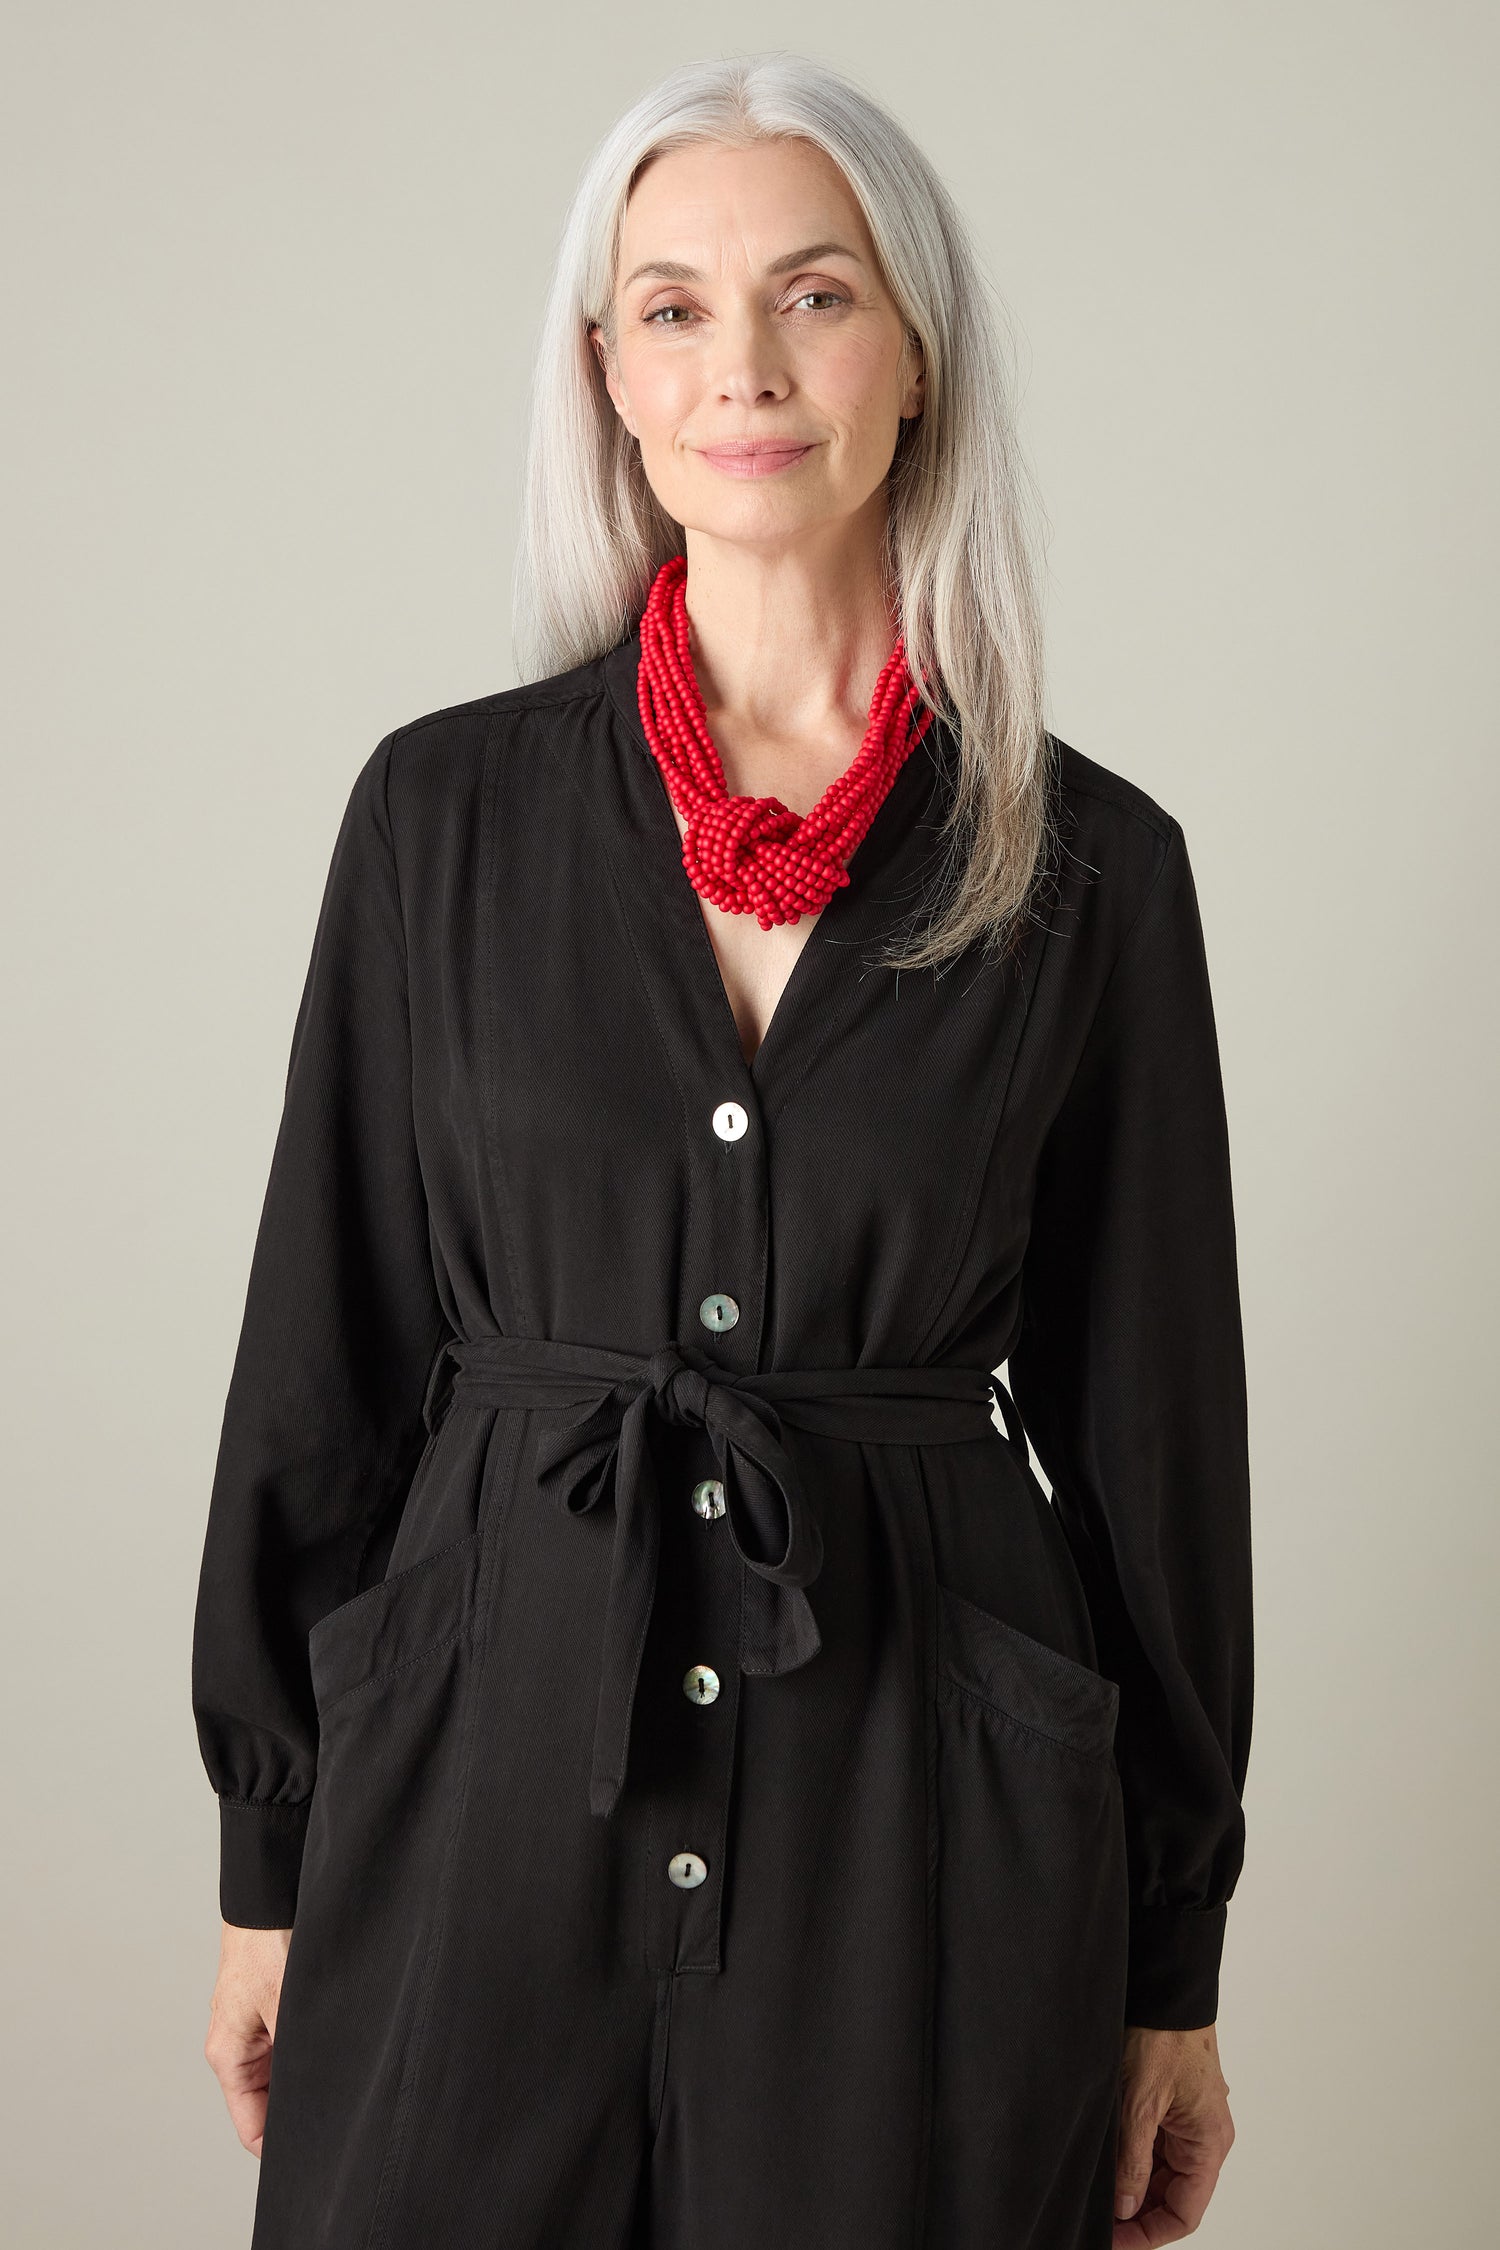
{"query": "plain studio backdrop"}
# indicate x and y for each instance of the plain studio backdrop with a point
(272, 281)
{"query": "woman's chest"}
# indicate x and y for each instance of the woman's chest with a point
(586, 1114)
(754, 967)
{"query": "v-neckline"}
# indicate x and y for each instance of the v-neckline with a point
(895, 814)
(798, 961)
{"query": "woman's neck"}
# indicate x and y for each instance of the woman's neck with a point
(787, 648)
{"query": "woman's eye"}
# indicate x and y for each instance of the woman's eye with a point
(660, 317)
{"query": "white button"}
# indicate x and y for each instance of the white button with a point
(700, 1683)
(718, 1311)
(731, 1121)
(708, 1498)
(687, 1870)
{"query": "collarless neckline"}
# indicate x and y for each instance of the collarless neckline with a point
(851, 917)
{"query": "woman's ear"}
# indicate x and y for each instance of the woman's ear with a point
(611, 380)
(915, 397)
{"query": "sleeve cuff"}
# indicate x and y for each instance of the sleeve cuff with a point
(260, 1859)
(1173, 1978)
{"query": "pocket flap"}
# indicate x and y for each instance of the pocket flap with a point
(1030, 1682)
(395, 1621)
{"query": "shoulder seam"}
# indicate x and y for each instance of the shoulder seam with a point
(1106, 787)
(387, 745)
(485, 708)
(1160, 827)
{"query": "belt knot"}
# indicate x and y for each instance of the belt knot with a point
(677, 1378)
(593, 1446)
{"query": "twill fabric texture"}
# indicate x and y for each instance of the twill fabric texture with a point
(724, 1623)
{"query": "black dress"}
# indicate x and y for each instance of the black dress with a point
(746, 1811)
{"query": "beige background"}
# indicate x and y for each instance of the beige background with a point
(271, 280)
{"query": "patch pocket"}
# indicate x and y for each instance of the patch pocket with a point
(1036, 1686)
(395, 1623)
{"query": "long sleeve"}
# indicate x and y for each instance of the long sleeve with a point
(1129, 1371)
(323, 1422)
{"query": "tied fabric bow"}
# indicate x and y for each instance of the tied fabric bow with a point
(603, 1453)
(594, 1446)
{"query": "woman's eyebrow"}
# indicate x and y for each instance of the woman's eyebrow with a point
(669, 269)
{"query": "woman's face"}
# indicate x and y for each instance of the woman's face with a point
(749, 306)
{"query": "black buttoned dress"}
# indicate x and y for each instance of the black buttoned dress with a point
(720, 1801)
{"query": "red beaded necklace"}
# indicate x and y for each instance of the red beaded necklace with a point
(750, 855)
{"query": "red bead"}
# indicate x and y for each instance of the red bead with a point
(751, 855)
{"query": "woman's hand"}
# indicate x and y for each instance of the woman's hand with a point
(242, 2023)
(1175, 2132)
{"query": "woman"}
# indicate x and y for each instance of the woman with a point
(746, 1811)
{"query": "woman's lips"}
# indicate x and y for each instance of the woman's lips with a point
(758, 461)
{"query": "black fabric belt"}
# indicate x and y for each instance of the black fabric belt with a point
(596, 1448)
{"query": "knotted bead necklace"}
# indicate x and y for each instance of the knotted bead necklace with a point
(751, 855)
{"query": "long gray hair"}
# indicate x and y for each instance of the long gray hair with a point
(963, 545)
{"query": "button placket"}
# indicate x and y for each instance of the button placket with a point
(697, 1674)
(701, 1631)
